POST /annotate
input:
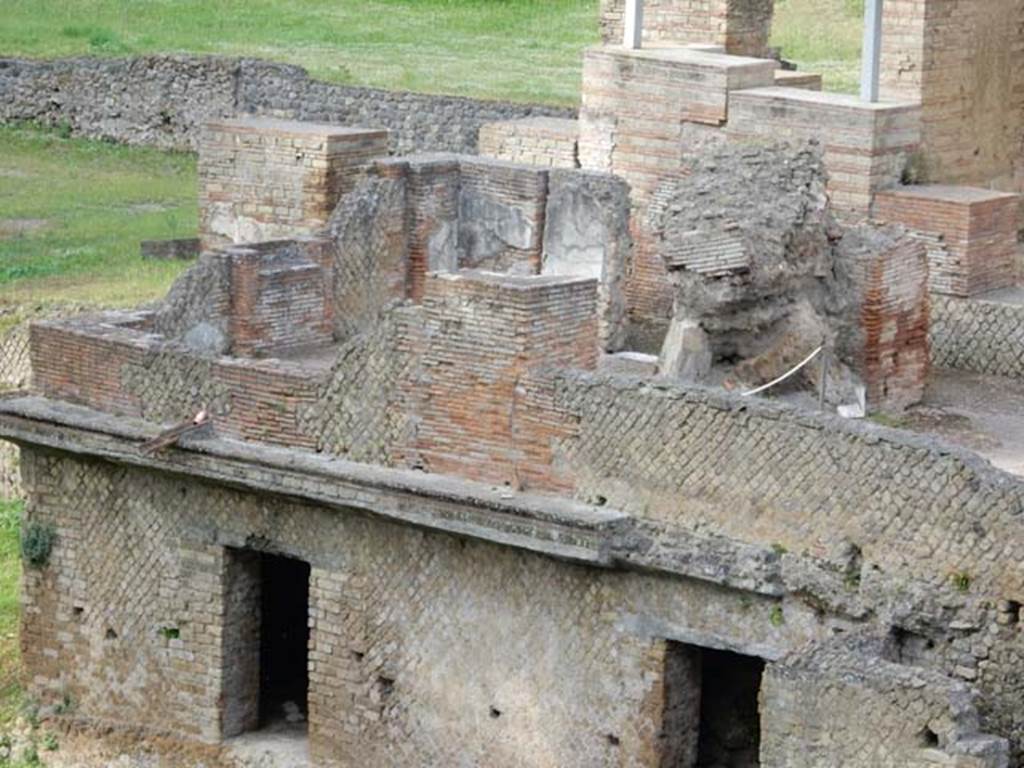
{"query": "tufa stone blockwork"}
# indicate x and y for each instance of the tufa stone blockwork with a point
(164, 101)
(983, 335)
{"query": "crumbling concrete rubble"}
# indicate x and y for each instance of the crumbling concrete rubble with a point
(764, 274)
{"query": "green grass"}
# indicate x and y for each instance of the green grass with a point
(822, 36)
(72, 213)
(522, 50)
(10, 575)
(526, 50)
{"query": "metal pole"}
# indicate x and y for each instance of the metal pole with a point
(871, 57)
(633, 24)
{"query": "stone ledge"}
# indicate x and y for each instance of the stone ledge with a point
(549, 525)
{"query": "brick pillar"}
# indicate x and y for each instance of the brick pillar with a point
(262, 179)
(742, 27)
(281, 296)
(891, 351)
(487, 412)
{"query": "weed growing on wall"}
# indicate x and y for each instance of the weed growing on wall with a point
(37, 541)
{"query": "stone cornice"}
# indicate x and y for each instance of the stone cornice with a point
(549, 525)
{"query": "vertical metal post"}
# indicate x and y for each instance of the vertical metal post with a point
(871, 57)
(633, 24)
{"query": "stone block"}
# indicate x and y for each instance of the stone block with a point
(789, 78)
(686, 354)
(182, 249)
(586, 234)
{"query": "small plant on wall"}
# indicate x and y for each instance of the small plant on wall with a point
(37, 543)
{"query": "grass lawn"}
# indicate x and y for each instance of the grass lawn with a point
(822, 36)
(522, 50)
(10, 574)
(72, 213)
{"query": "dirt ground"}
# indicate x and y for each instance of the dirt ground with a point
(80, 746)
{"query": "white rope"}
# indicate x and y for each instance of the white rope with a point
(784, 376)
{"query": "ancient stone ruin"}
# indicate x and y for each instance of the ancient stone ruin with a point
(465, 459)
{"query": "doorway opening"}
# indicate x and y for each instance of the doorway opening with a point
(265, 679)
(711, 717)
(284, 640)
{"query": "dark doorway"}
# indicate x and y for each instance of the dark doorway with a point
(284, 640)
(711, 717)
(730, 724)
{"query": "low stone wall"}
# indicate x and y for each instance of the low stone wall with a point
(979, 335)
(852, 707)
(163, 100)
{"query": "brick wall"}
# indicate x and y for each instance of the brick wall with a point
(483, 407)
(240, 592)
(432, 210)
(281, 297)
(115, 369)
(262, 179)
(742, 27)
(546, 141)
(413, 634)
(461, 386)
(964, 61)
(971, 234)
(867, 146)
